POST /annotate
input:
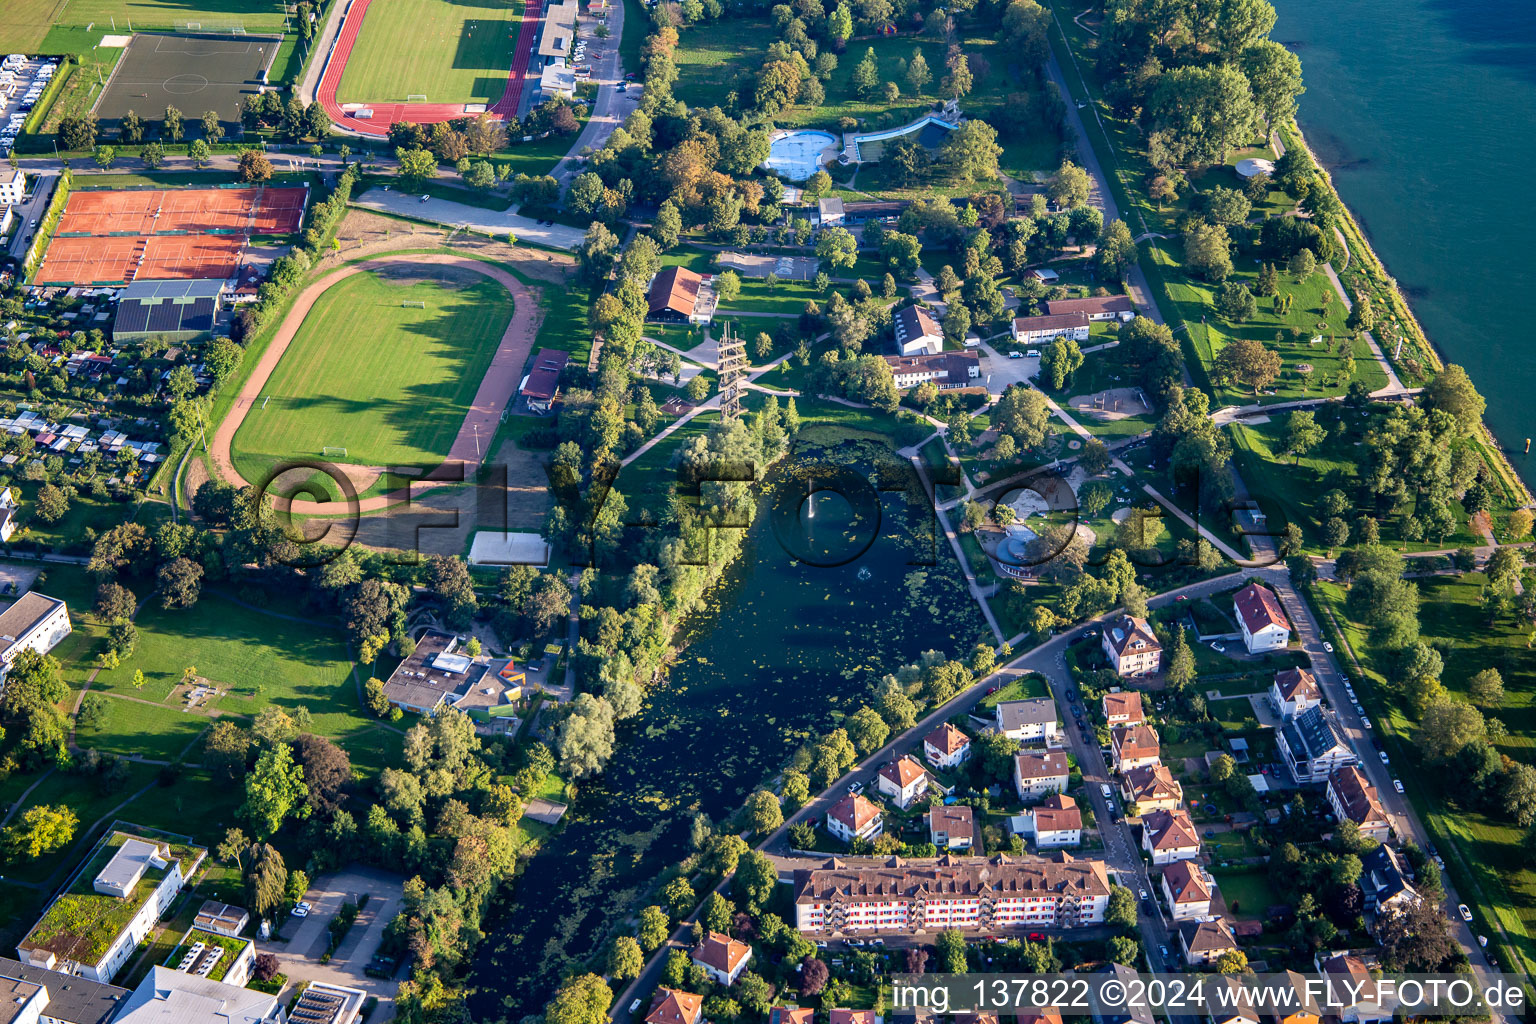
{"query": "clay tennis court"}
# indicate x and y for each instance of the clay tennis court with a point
(112, 237)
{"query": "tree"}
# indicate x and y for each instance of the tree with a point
(918, 76)
(170, 125)
(265, 967)
(1233, 961)
(583, 999)
(813, 976)
(1268, 283)
(1070, 186)
(959, 82)
(1302, 264)
(266, 880)
(867, 730)
(105, 156)
(180, 583)
(1486, 688)
(866, 75)
(213, 131)
(327, 770)
(1236, 303)
(970, 152)
(625, 958)
(199, 152)
(254, 166)
(52, 503)
(153, 155)
(1303, 433)
(1207, 251)
(1202, 113)
(654, 929)
(481, 176)
(1447, 727)
(755, 880)
(837, 248)
(1335, 532)
(1121, 911)
(951, 947)
(449, 582)
(1274, 75)
(1117, 250)
(1060, 360)
(78, 133)
(1247, 362)
(1227, 206)
(764, 812)
(274, 789)
(416, 165)
(585, 742)
(41, 829)
(1451, 391)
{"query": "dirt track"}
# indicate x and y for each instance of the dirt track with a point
(495, 392)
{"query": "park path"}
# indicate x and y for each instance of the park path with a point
(485, 412)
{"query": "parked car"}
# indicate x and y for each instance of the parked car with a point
(1217, 647)
(301, 909)
(1397, 784)
(1466, 915)
(1384, 758)
(1143, 893)
(1015, 355)
(1327, 646)
(634, 1006)
(1365, 721)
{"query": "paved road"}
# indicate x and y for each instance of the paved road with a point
(32, 209)
(611, 107)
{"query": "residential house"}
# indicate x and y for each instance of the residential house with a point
(840, 1015)
(792, 1015)
(951, 827)
(917, 332)
(1350, 983)
(1294, 690)
(947, 747)
(1055, 823)
(722, 957)
(1262, 620)
(673, 1006)
(948, 370)
(1353, 798)
(13, 186)
(972, 894)
(903, 780)
(1124, 708)
(1130, 1010)
(1384, 881)
(542, 383)
(1131, 646)
(1028, 721)
(1236, 1007)
(1291, 1002)
(1150, 789)
(1038, 774)
(1034, 330)
(1098, 307)
(1040, 1015)
(9, 510)
(1135, 746)
(1312, 747)
(854, 817)
(1169, 836)
(1204, 941)
(829, 212)
(38, 994)
(1187, 891)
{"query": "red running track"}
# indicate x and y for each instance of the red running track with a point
(386, 114)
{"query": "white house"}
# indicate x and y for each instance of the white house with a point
(1235, 1007)
(1294, 691)
(1204, 941)
(1263, 621)
(1055, 823)
(1151, 788)
(1028, 721)
(722, 957)
(1384, 880)
(1039, 774)
(1353, 798)
(951, 827)
(903, 780)
(1169, 836)
(9, 509)
(1187, 891)
(854, 817)
(13, 186)
(917, 332)
(829, 212)
(34, 622)
(1131, 646)
(1029, 330)
(1123, 708)
(1135, 746)
(946, 747)
(1099, 307)
(1312, 747)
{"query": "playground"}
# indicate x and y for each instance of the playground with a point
(785, 268)
(1111, 404)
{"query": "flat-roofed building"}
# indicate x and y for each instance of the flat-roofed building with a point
(33, 622)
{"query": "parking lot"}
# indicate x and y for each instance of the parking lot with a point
(309, 937)
(22, 81)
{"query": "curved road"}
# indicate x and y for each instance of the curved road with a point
(479, 426)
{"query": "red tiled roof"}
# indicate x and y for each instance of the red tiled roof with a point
(1360, 799)
(1058, 813)
(1064, 322)
(1259, 607)
(1171, 830)
(839, 1015)
(677, 289)
(791, 1015)
(1187, 882)
(1297, 681)
(903, 772)
(1126, 704)
(854, 811)
(721, 952)
(1041, 766)
(670, 1006)
(1152, 782)
(1123, 633)
(1135, 741)
(947, 739)
(1090, 306)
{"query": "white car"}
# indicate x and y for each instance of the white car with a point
(1384, 758)
(1397, 784)
(301, 909)
(1466, 915)
(1365, 721)
(1143, 893)
(1218, 648)
(1327, 646)
(634, 1006)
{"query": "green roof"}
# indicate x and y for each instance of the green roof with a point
(232, 947)
(82, 924)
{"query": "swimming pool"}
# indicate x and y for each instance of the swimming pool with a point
(798, 155)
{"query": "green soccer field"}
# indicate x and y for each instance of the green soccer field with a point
(446, 51)
(389, 384)
(253, 15)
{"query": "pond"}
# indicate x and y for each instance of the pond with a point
(784, 644)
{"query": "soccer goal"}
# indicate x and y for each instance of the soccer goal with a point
(333, 451)
(233, 28)
(413, 304)
(416, 97)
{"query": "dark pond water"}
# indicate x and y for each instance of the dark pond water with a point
(785, 644)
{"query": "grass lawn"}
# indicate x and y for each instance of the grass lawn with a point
(83, 797)
(195, 804)
(255, 15)
(390, 384)
(261, 659)
(1249, 893)
(158, 732)
(25, 24)
(455, 52)
(1487, 858)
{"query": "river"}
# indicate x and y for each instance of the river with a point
(782, 645)
(1424, 112)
